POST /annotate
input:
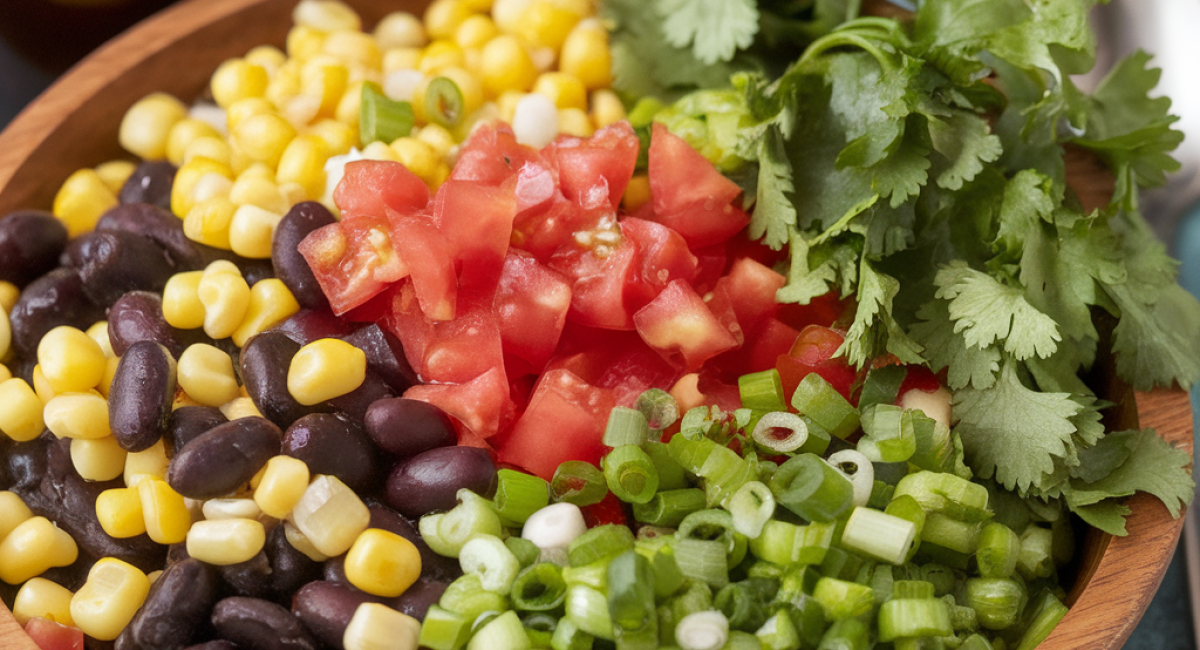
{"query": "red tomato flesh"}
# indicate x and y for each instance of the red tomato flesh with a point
(49, 635)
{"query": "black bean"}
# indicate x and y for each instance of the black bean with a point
(256, 270)
(119, 262)
(30, 243)
(354, 405)
(138, 316)
(429, 481)
(264, 363)
(433, 565)
(330, 444)
(325, 608)
(385, 356)
(224, 458)
(407, 427)
(176, 608)
(219, 644)
(290, 569)
(188, 422)
(149, 183)
(260, 624)
(251, 578)
(308, 325)
(334, 570)
(416, 600)
(290, 266)
(76, 251)
(54, 299)
(141, 396)
(158, 225)
(6, 445)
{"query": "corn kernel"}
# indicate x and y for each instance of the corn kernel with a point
(326, 81)
(106, 603)
(400, 29)
(226, 299)
(468, 84)
(330, 515)
(506, 65)
(475, 31)
(34, 546)
(303, 162)
(145, 126)
(5, 375)
(436, 136)
(440, 54)
(379, 151)
(268, 57)
(188, 177)
(302, 543)
(101, 459)
(607, 108)
(237, 79)
(263, 137)
(574, 121)
(114, 173)
(244, 109)
(214, 148)
(164, 511)
(225, 541)
(375, 626)
(13, 511)
(9, 293)
(151, 463)
(82, 200)
(282, 485)
(338, 137)
(507, 14)
(240, 407)
(41, 598)
(442, 17)
(304, 42)
(506, 104)
(400, 59)
(354, 48)
(586, 55)
(348, 107)
(419, 157)
(382, 563)
(20, 410)
(325, 369)
(206, 374)
(77, 416)
(183, 134)
(99, 333)
(207, 222)
(271, 302)
(637, 193)
(260, 192)
(232, 508)
(44, 392)
(251, 231)
(546, 23)
(326, 15)
(110, 373)
(565, 90)
(181, 301)
(120, 512)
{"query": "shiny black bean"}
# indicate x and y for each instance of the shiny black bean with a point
(219, 644)
(188, 422)
(76, 251)
(149, 183)
(256, 270)
(54, 299)
(120, 262)
(92, 643)
(158, 225)
(290, 569)
(263, 363)
(429, 481)
(6, 445)
(308, 325)
(334, 570)
(407, 427)
(385, 356)
(260, 624)
(290, 266)
(178, 605)
(416, 600)
(138, 316)
(330, 444)
(433, 565)
(25, 463)
(354, 405)
(224, 458)
(141, 396)
(30, 243)
(251, 578)
(325, 608)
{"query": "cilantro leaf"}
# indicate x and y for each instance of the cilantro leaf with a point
(966, 365)
(716, 29)
(874, 330)
(1154, 466)
(1108, 516)
(1106, 455)
(1157, 344)
(966, 142)
(987, 311)
(774, 212)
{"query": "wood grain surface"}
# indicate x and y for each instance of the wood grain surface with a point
(74, 125)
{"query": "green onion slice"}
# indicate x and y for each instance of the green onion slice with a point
(444, 102)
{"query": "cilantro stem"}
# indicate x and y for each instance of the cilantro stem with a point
(847, 39)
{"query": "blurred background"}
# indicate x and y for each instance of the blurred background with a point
(41, 39)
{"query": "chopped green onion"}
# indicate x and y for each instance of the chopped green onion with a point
(600, 543)
(689, 453)
(524, 550)
(443, 629)
(725, 472)
(447, 532)
(779, 633)
(931, 552)
(667, 576)
(859, 470)
(881, 386)
(739, 640)
(959, 536)
(762, 392)
(882, 583)
(796, 586)
(746, 603)
(879, 535)
(781, 432)
(907, 508)
(1035, 559)
(671, 475)
(752, 506)
(891, 434)
(540, 628)
(488, 557)
(935, 446)
(1048, 611)
(962, 618)
(554, 527)
(715, 525)
(587, 608)
(380, 118)
(808, 617)
(630, 474)
(519, 495)
(784, 543)
(707, 630)
(467, 597)
(626, 426)
(940, 576)
(914, 617)
(819, 400)
(660, 409)
(568, 636)
(703, 560)
(539, 588)
(631, 598)
(997, 602)
(947, 494)
(997, 551)
(505, 632)
(444, 102)
(578, 482)
(881, 495)
(668, 508)
(697, 597)
(811, 488)
(594, 575)
(843, 599)
(846, 634)
(841, 564)
(980, 642)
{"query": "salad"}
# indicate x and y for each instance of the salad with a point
(538, 324)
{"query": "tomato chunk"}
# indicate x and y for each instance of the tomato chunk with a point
(681, 327)
(368, 187)
(813, 352)
(492, 155)
(48, 635)
(564, 421)
(353, 260)
(665, 255)
(531, 304)
(482, 405)
(688, 194)
(596, 170)
(604, 281)
(423, 246)
(477, 221)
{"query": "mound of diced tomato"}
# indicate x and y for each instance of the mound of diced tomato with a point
(530, 303)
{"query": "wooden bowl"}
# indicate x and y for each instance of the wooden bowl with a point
(74, 124)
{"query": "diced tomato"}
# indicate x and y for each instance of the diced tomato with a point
(619, 360)
(704, 225)
(821, 310)
(710, 267)
(453, 351)
(813, 352)
(722, 303)
(681, 327)
(531, 304)
(754, 286)
(542, 230)
(492, 155)
(688, 194)
(48, 635)
(477, 221)
(483, 405)
(353, 260)
(919, 378)
(610, 510)
(369, 186)
(600, 286)
(596, 170)
(565, 420)
(665, 255)
(718, 392)
(535, 187)
(772, 339)
(424, 247)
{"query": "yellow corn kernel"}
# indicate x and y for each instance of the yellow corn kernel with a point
(378, 626)
(379, 151)
(506, 104)
(34, 546)
(20, 410)
(110, 373)
(244, 109)
(212, 147)
(251, 231)
(149, 464)
(400, 29)
(232, 508)
(474, 31)
(586, 55)
(206, 374)
(226, 298)
(268, 57)
(13, 511)
(506, 65)
(114, 173)
(292, 193)
(181, 301)
(302, 543)
(338, 137)
(106, 603)
(77, 416)
(9, 293)
(442, 17)
(263, 137)
(436, 136)
(225, 541)
(271, 302)
(565, 90)
(419, 157)
(41, 598)
(440, 54)
(42, 387)
(240, 407)
(183, 134)
(260, 192)
(120, 512)
(546, 23)
(354, 48)
(304, 42)
(637, 192)
(607, 108)
(207, 222)
(237, 79)
(188, 177)
(348, 107)
(330, 515)
(468, 84)
(507, 14)
(166, 515)
(5, 375)
(82, 200)
(325, 369)
(326, 15)
(401, 58)
(303, 162)
(574, 121)
(99, 333)
(145, 126)
(382, 563)
(282, 485)
(324, 80)
(101, 459)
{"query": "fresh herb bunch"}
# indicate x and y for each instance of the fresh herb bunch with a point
(918, 166)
